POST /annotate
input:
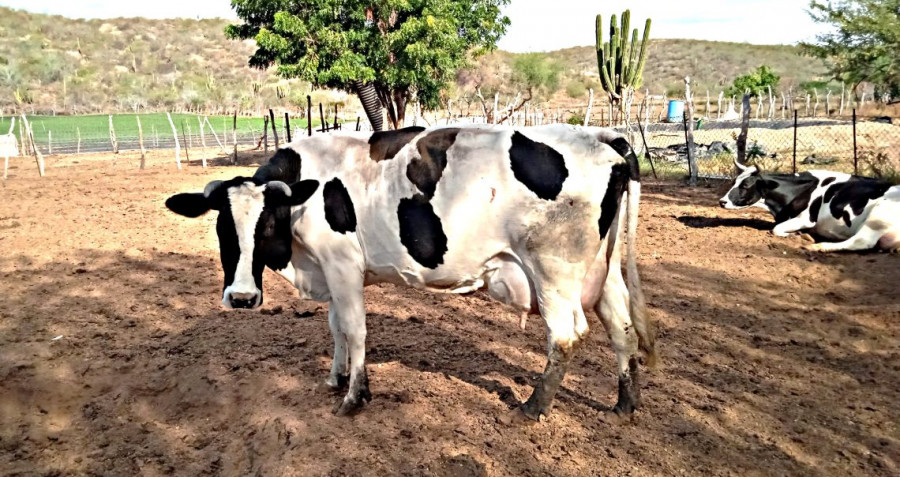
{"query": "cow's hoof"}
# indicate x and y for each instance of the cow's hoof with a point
(813, 247)
(334, 384)
(532, 411)
(624, 408)
(346, 407)
(516, 417)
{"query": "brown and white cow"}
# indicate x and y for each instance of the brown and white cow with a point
(537, 216)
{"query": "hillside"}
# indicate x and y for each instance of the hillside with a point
(54, 64)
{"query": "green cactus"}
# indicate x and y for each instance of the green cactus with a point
(621, 64)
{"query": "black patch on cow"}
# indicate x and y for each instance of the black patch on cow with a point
(386, 144)
(338, 207)
(284, 166)
(787, 195)
(609, 207)
(620, 145)
(421, 232)
(814, 209)
(425, 171)
(827, 180)
(540, 167)
(855, 194)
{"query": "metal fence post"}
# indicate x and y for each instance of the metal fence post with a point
(309, 114)
(855, 157)
(795, 142)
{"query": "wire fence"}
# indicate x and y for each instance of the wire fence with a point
(861, 146)
(864, 146)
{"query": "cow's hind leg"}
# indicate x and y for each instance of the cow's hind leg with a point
(561, 315)
(864, 239)
(339, 377)
(350, 314)
(613, 311)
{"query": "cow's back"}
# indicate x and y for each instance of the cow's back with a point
(441, 210)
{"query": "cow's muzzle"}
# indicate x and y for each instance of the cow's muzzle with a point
(242, 300)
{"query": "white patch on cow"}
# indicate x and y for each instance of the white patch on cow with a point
(246, 207)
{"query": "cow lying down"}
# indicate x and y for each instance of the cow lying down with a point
(858, 213)
(537, 216)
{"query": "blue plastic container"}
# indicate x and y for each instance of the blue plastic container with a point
(676, 111)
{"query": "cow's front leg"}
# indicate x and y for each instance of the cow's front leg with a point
(793, 226)
(562, 341)
(339, 376)
(352, 321)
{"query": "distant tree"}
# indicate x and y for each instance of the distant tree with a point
(535, 73)
(398, 49)
(864, 42)
(755, 82)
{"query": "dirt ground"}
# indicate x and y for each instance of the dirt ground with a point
(116, 358)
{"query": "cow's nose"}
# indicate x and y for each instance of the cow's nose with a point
(243, 300)
(723, 202)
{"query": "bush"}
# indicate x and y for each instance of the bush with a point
(576, 118)
(576, 89)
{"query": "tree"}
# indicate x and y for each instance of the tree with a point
(755, 82)
(621, 64)
(864, 42)
(401, 50)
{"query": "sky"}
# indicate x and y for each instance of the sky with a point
(537, 25)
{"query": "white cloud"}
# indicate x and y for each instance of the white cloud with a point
(537, 25)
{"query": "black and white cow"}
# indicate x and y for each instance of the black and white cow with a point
(537, 216)
(859, 213)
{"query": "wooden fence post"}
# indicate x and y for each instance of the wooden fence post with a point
(287, 125)
(203, 152)
(587, 113)
(38, 157)
(216, 136)
(335, 117)
(322, 118)
(234, 137)
(274, 128)
(742, 137)
(141, 143)
(78, 135)
(309, 114)
(187, 155)
(12, 126)
(689, 130)
(112, 136)
(266, 133)
(177, 145)
(49, 142)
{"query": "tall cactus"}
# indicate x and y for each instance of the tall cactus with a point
(621, 64)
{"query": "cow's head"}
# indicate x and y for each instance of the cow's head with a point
(254, 229)
(749, 188)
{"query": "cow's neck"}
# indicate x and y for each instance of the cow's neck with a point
(782, 199)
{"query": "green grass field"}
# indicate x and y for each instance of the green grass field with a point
(66, 129)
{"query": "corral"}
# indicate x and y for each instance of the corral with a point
(116, 359)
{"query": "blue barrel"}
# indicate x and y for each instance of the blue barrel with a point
(676, 111)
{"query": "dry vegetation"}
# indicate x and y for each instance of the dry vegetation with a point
(52, 63)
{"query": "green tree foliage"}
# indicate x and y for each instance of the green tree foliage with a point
(864, 43)
(755, 82)
(535, 74)
(405, 48)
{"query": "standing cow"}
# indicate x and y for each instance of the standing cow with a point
(858, 212)
(535, 215)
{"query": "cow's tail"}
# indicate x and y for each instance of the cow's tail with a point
(637, 305)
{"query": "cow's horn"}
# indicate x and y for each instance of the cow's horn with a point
(211, 187)
(280, 185)
(740, 166)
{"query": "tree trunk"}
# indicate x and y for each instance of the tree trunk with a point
(370, 103)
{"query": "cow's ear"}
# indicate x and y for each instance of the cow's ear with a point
(766, 184)
(194, 205)
(188, 205)
(302, 191)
